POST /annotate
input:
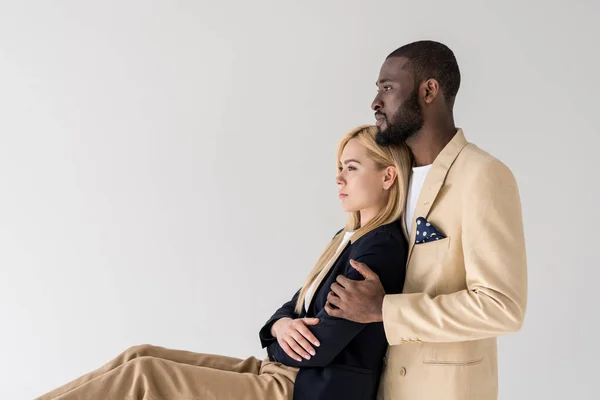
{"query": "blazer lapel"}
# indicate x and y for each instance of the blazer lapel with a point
(434, 181)
(320, 277)
(403, 220)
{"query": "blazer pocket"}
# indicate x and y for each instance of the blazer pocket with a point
(348, 382)
(451, 363)
(425, 265)
(351, 368)
(435, 247)
(461, 354)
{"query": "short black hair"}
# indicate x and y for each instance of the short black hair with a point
(428, 59)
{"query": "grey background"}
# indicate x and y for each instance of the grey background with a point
(166, 168)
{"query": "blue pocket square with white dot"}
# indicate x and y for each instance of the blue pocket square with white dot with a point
(427, 232)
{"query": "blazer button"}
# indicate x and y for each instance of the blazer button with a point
(402, 371)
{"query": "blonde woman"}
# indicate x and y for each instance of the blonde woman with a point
(311, 355)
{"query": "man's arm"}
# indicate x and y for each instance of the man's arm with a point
(495, 300)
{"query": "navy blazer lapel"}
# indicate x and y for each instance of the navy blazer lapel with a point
(333, 263)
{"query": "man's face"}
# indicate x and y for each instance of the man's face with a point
(397, 110)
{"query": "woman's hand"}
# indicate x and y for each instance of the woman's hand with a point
(294, 337)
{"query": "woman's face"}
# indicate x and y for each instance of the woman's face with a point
(362, 184)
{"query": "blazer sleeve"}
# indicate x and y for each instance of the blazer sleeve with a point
(493, 244)
(386, 256)
(285, 311)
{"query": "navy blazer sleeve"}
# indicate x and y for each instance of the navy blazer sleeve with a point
(285, 311)
(385, 254)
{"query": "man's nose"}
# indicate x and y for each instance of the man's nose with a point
(377, 104)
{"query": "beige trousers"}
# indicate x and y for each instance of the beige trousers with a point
(155, 373)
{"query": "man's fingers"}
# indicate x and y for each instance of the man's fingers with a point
(337, 289)
(333, 299)
(297, 348)
(343, 281)
(309, 336)
(289, 351)
(301, 340)
(334, 312)
(363, 269)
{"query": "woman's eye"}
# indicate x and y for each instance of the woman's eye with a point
(351, 168)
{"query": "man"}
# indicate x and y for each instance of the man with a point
(466, 278)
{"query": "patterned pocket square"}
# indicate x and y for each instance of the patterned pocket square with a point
(426, 232)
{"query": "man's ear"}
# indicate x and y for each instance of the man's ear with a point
(390, 176)
(430, 89)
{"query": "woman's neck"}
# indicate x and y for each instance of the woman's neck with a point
(367, 215)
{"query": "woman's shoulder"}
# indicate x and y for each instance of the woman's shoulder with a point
(391, 230)
(391, 234)
(384, 250)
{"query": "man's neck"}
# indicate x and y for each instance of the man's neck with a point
(427, 144)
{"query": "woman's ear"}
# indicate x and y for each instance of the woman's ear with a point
(389, 177)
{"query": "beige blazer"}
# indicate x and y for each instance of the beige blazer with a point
(460, 292)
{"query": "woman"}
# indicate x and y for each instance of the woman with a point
(311, 355)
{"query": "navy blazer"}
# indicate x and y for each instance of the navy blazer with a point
(348, 363)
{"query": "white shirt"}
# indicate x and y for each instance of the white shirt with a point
(309, 292)
(414, 190)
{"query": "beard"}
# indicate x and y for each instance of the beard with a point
(408, 121)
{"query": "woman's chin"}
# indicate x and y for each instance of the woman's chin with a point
(348, 209)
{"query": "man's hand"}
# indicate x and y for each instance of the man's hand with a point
(294, 337)
(358, 301)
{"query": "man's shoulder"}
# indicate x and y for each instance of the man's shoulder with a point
(475, 156)
(473, 159)
(474, 164)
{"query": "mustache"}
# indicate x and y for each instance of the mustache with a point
(379, 113)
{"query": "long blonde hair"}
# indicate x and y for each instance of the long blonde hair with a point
(397, 156)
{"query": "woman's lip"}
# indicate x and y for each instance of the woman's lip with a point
(342, 195)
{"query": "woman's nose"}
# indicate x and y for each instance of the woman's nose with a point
(339, 180)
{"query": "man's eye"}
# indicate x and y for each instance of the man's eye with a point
(386, 88)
